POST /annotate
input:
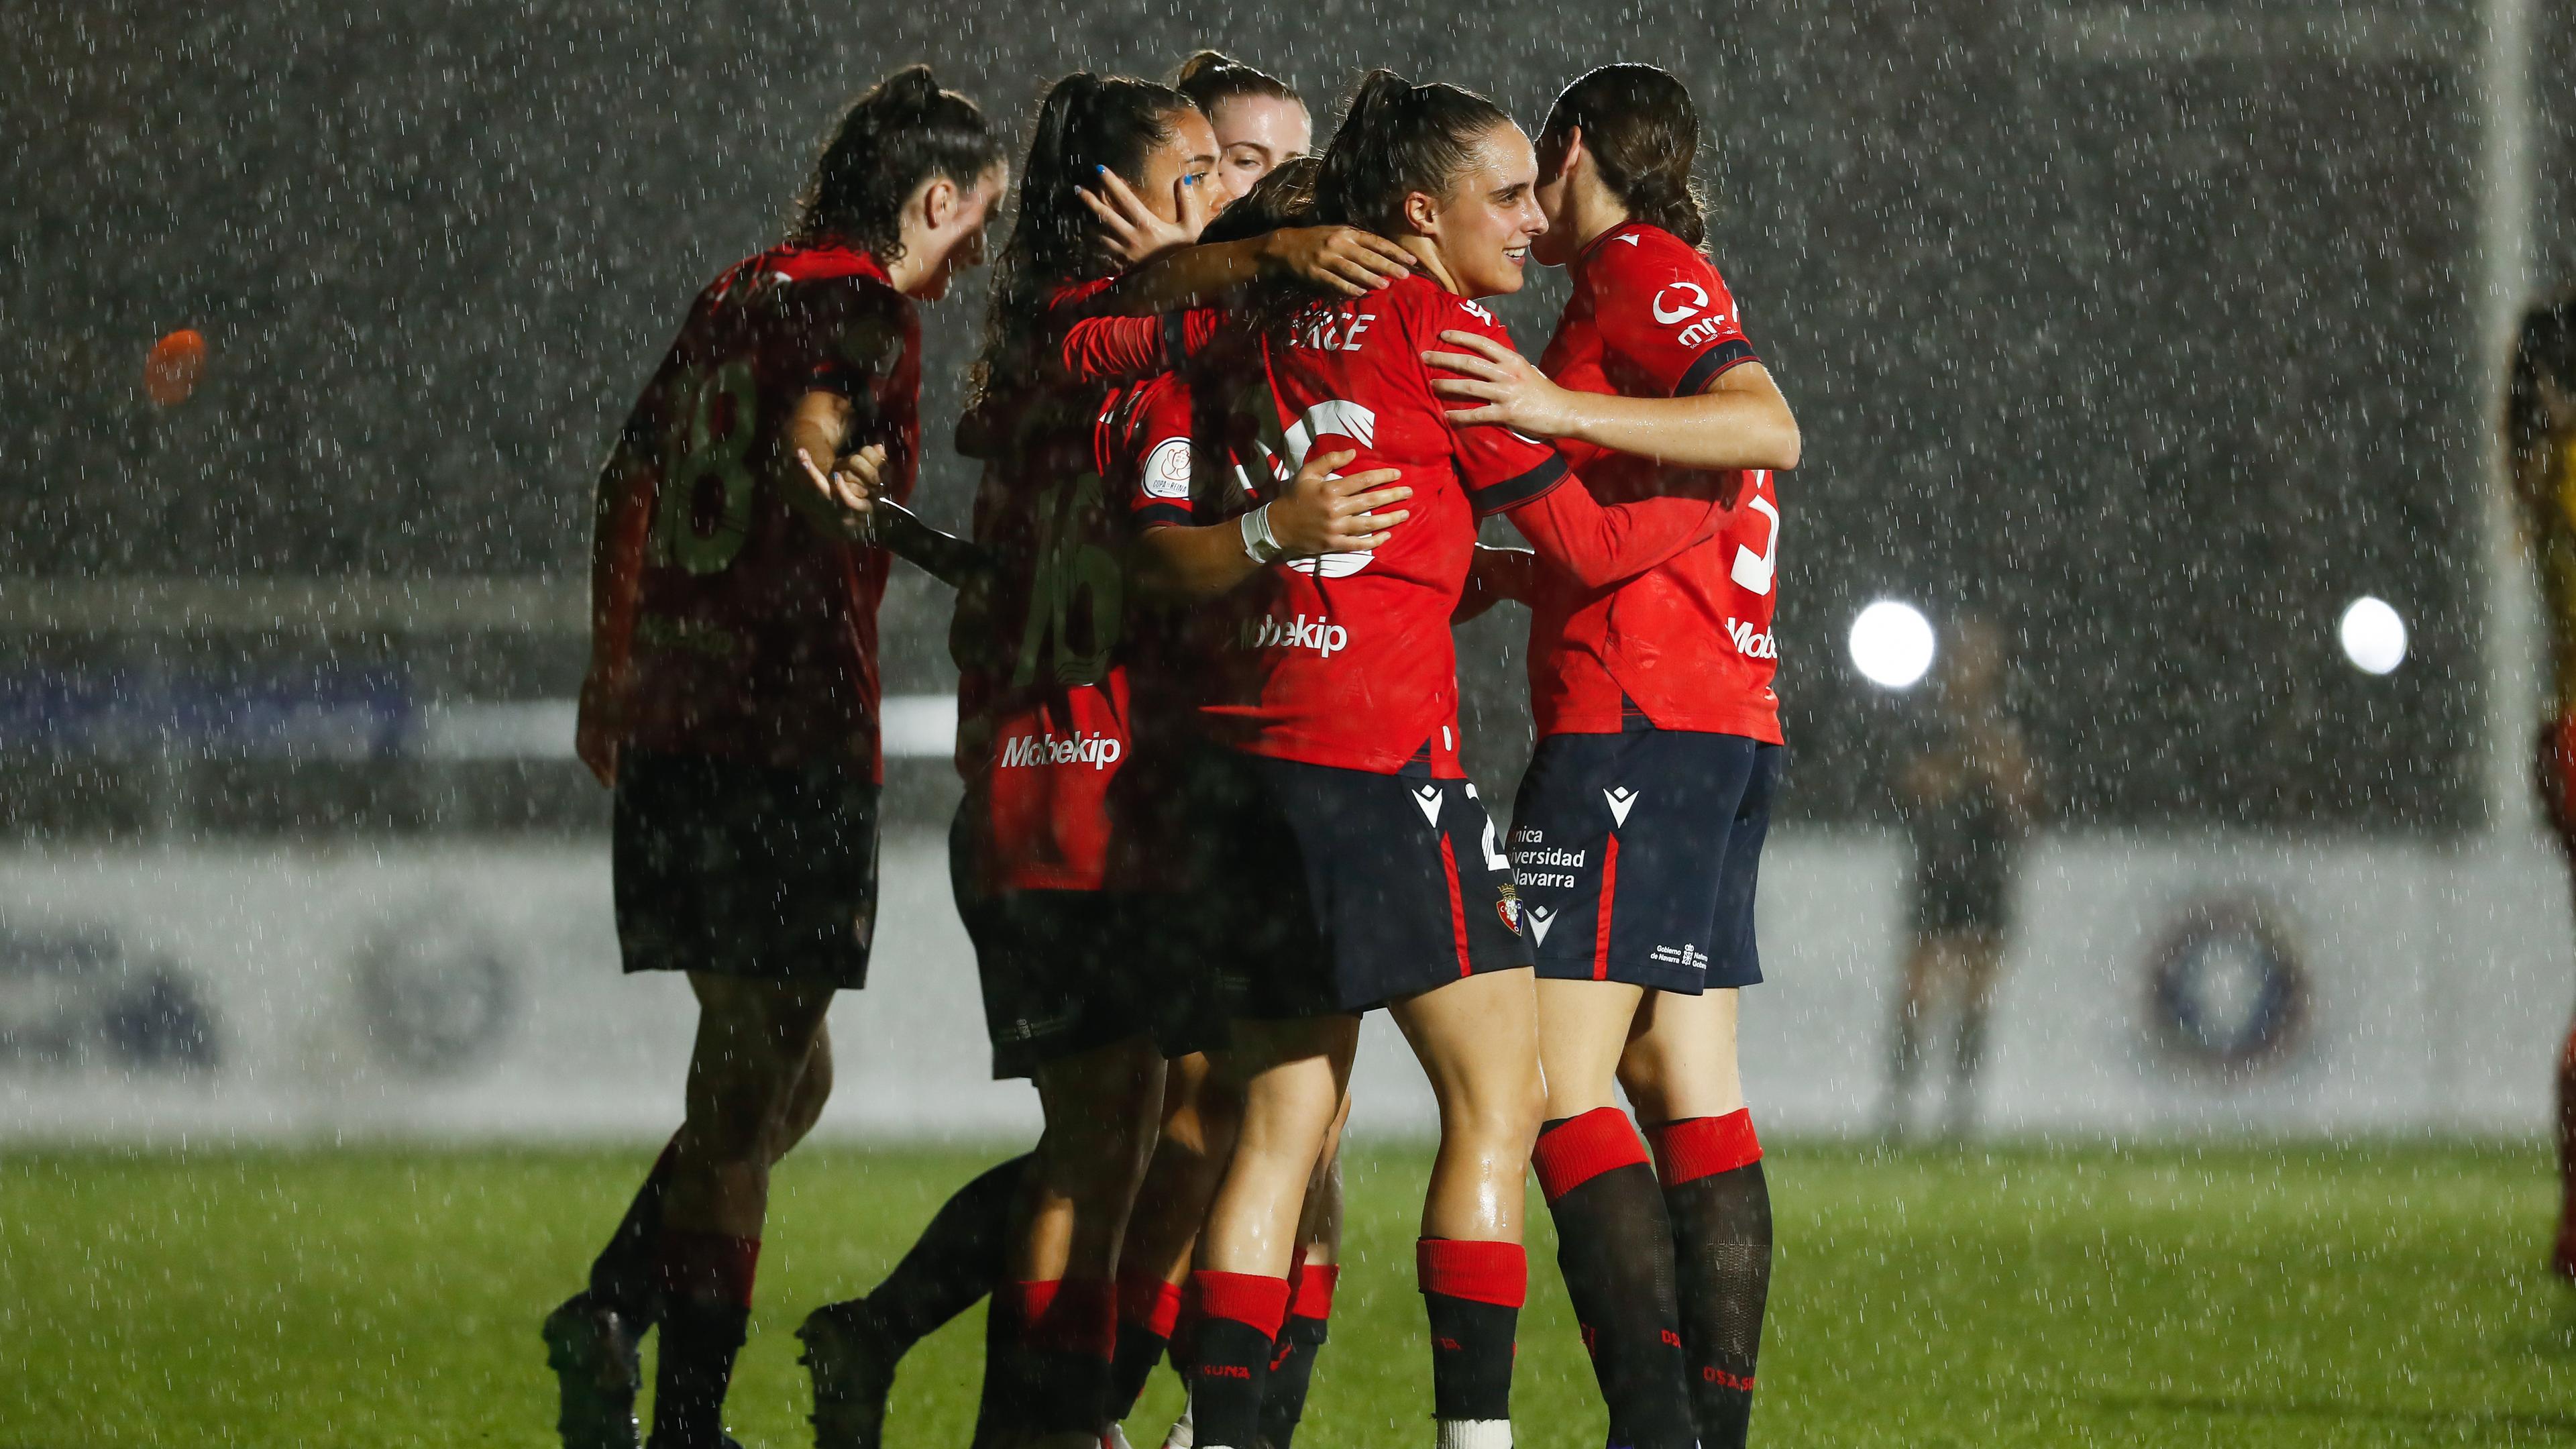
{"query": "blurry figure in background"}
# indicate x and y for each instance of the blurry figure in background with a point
(2540, 435)
(1967, 802)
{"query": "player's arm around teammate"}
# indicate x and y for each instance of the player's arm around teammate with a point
(1640, 822)
(745, 821)
(1339, 784)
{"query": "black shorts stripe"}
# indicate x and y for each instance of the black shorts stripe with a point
(1529, 487)
(1718, 359)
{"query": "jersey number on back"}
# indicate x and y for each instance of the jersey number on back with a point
(714, 438)
(1076, 595)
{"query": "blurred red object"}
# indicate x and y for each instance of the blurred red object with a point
(171, 369)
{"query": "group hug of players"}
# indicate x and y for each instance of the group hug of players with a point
(1239, 415)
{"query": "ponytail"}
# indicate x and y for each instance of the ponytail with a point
(1211, 78)
(1397, 138)
(1642, 133)
(904, 131)
(1085, 122)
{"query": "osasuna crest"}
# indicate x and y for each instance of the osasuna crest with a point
(1620, 798)
(1509, 908)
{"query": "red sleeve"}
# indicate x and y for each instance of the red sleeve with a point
(1159, 492)
(1095, 344)
(1664, 309)
(1500, 469)
(1602, 546)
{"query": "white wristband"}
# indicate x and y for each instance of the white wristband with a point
(1258, 544)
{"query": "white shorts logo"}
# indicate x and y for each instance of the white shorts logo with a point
(1540, 918)
(1620, 798)
(1428, 797)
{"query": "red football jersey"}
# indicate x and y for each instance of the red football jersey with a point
(1043, 687)
(1689, 643)
(1347, 660)
(756, 634)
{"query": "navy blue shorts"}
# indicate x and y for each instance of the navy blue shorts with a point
(745, 870)
(1314, 891)
(1636, 855)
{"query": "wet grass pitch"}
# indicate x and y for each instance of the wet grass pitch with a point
(2239, 1296)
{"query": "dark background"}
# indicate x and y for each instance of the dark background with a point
(2159, 350)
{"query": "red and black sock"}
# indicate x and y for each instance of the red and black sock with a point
(1472, 1293)
(1292, 1357)
(1239, 1320)
(626, 1275)
(1721, 1216)
(706, 1308)
(1615, 1245)
(957, 1259)
(1049, 1373)
(1149, 1309)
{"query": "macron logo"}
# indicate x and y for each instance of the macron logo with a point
(1620, 798)
(1428, 797)
(1098, 751)
(1540, 918)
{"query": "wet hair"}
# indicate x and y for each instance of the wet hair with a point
(1397, 138)
(904, 131)
(2546, 349)
(1282, 198)
(1642, 132)
(1085, 122)
(1211, 78)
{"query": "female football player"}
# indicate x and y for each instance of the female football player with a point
(1344, 859)
(731, 703)
(1655, 719)
(1044, 735)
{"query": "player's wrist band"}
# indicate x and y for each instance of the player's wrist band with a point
(1259, 545)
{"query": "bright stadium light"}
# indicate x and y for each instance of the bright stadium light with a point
(2374, 638)
(1891, 643)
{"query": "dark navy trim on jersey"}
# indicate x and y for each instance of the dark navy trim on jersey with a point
(1155, 514)
(1723, 358)
(1529, 487)
(1176, 339)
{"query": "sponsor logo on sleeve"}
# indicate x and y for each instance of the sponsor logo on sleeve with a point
(1167, 469)
(1679, 302)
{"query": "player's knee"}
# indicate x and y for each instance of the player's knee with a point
(1497, 1116)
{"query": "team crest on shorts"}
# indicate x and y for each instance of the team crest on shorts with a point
(1509, 908)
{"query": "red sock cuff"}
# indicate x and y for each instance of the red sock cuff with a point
(1067, 1315)
(1314, 1296)
(1697, 1147)
(1495, 1273)
(1150, 1303)
(708, 1265)
(1582, 1148)
(1247, 1298)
